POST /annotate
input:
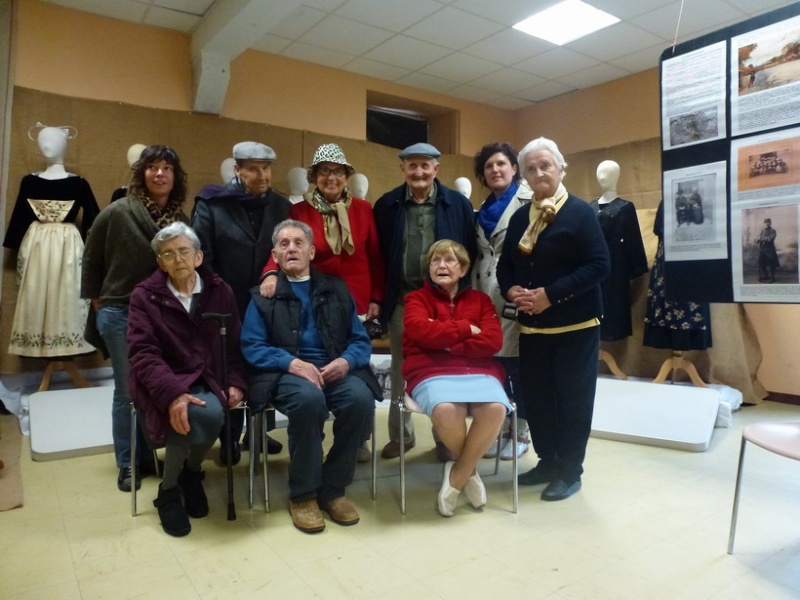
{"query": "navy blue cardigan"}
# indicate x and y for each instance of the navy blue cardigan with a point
(455, 220)
(569, 262)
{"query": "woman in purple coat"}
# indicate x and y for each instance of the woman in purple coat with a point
(175, 378)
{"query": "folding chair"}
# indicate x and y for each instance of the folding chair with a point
(780, 438)
(257, 424)
(407, 404)
(133, 459)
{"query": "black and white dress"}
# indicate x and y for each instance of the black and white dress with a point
(50, 315)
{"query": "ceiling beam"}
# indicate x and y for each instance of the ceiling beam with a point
(227, 30)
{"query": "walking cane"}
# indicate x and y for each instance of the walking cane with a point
(223, 333)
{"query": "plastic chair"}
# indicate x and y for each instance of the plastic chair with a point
(257, 422)
(407, 404)
(778, 438)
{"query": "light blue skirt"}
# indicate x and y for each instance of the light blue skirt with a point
(459, 389)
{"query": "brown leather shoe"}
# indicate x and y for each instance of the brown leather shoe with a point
(392, 449)
(341, 511)
(306, 516)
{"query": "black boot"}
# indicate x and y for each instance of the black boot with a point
(173, 516)
(194, 497)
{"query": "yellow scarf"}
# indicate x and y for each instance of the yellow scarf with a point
(542, 212)
(336, 221)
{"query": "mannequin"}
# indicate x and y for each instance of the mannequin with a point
(607, 177)
(678, 326)
(50, 316)
(134, 152)
(359, 185)
(298, 184)
(463, 186)
(620, 225)
(226, 171)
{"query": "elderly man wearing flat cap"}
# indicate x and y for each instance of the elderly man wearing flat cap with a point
(235, 229)
(409, 219)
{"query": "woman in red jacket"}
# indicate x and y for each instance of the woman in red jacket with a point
(451, 334)
(345, 238)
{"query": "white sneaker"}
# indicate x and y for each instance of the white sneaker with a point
(492, 451)
(475, 491)
(364, 454)
(507, 452)
(448, 495)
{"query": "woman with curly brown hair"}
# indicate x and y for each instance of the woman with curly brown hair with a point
(117, 257)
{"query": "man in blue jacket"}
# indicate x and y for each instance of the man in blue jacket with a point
(309, 355)
(409, 219)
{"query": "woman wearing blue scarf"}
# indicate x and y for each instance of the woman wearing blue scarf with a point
(497, 169)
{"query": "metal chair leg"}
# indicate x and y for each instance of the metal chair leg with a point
(738, 489)
(133, 460)
(400, 432)
(374, 461)
(514, 465)
(251, 431)
(263, 433)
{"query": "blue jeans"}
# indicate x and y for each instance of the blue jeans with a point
(307, 407)
(112, 323)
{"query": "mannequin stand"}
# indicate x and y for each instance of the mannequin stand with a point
(607, 358)
(69, 368)
(678, 362)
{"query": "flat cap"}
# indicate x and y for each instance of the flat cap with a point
(420, 149)
(253, 151)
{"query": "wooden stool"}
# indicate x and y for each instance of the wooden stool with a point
(69, 368)
(608, 358)
(678, 362)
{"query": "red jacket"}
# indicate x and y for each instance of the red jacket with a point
(437, 339)
(362, 271)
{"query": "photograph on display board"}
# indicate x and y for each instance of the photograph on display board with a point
(765, 164)
(695, 213)
(769, 245)
(693, 97)
(765, 77)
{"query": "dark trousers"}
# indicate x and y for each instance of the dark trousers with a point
(307, 408)
(559, 377)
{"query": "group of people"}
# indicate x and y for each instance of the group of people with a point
(483, 310)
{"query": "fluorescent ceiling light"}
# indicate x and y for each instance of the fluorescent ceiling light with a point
(566, 22)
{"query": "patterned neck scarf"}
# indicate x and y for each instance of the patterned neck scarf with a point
(161, 217)
(336, 221)
(493, 208)
(542, 212)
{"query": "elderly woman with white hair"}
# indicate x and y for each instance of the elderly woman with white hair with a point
(554, 258)
(175, 372)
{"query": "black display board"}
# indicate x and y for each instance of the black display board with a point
(698, 135)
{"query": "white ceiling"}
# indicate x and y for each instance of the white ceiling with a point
(462, 48)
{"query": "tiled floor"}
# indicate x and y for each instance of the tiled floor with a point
(650, 523)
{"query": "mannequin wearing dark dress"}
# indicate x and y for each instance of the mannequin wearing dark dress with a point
(620, 227)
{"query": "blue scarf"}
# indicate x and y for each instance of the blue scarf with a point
(491, 210)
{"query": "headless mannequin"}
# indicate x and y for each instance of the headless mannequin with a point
(607, 178)
(298, 184)
(53, 145)
(134, 152)
(359, 185)
(226, 171)
(463, 186)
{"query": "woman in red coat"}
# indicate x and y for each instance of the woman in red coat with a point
(345, 237)
(451, 335)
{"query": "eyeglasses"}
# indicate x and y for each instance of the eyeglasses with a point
(170, 256)
(449, 260)
(327, 171)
